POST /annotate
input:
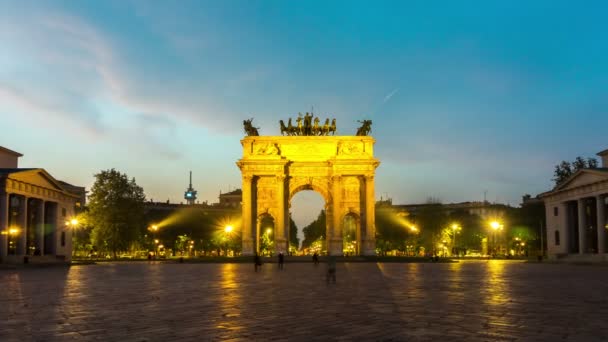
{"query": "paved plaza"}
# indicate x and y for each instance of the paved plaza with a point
(471, 300)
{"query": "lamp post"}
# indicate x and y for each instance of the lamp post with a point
(455, 229)
(496, 226)
(154, 228)
(227, 230)
(73, 224)
(10, 233)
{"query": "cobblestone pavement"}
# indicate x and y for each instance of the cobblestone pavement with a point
(472, 301)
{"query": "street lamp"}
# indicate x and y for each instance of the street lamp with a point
(10, 233)
(154, 228)
(73, 223)
(496, 226)
(455, 229)
(228, 230)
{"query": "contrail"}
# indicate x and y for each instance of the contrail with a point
(388, 97)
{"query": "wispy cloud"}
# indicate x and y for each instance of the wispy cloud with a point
(389, 95)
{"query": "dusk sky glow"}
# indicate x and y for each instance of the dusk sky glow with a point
(464, 96)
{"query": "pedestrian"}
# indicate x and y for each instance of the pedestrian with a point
(149, 256)
(257, 261)
(281, 260)
(331, 269)
(315, 258)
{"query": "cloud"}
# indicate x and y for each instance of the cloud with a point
(389, 95)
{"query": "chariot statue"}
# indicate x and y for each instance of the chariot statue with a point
(366, 127)
(250, 130)
(308, 125)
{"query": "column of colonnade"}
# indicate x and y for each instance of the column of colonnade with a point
(4, 213)
(22, 223)
(583, 224)
(40, 227)
(601, 223)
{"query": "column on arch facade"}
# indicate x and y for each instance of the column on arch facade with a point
(369, 240)
(248, 246)
(281, 228)
(601, 223)
(334, 243)
(582, 226)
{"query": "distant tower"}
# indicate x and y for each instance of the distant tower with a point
(190, 194)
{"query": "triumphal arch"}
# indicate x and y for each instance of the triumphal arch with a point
(306, 157)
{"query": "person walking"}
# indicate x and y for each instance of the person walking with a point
(331, 269)
(281, 260)
(315, 259)
(257, 261)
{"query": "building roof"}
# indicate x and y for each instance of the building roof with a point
(6, 172)
(603, 171)
(234, 192)
(14, 170)
(602, 153)
(4, 149)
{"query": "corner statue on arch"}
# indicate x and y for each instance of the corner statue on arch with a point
(340, 168)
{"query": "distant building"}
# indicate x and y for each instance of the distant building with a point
(34, 212)
(231, 199)
(484, 210)
(576, 214)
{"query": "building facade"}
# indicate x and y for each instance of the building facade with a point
(576, 214)
(35, 210)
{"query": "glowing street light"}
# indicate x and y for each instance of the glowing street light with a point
(228, 229)
(455, 229)
(496, 226)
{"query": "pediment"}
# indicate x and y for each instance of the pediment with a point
(37, 177)
(584, 177)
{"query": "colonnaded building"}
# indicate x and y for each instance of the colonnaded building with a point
(340, 168)
(34, 213)
(576, 215)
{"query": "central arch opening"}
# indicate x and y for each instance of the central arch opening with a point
(308, 223)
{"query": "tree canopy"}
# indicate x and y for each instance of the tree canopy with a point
(116, 211)
(314, 230)
(566, 169)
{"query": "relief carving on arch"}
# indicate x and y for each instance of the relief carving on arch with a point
(350, 148)
(351, 189)
(267, 149)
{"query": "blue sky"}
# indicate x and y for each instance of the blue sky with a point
(465, 97)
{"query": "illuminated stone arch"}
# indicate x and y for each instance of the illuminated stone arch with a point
(340, 168)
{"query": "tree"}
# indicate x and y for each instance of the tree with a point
(315, 230)
(566, 169)
(293, 234)
(116, 211)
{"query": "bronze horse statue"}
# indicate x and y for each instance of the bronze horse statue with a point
(325, 128)
(249, 129)
(366, 127)
(284, 129)
(332, 128)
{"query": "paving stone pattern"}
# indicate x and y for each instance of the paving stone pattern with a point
(467, 301)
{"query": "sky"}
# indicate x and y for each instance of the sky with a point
(466, 98)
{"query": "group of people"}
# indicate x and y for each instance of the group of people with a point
(331, 265)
